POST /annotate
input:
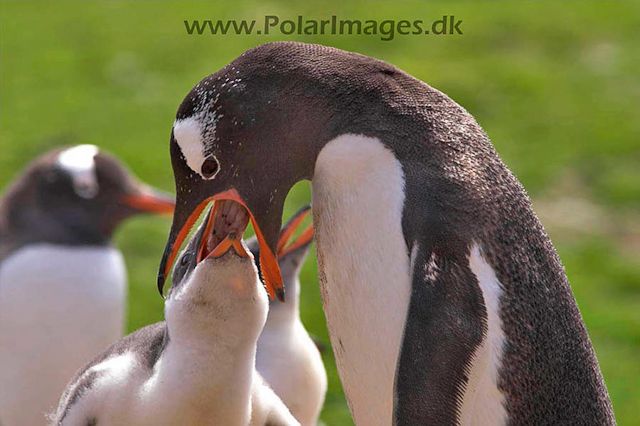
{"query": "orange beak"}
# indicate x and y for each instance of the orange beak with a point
(148, 200)
(285, 245)
(268, 262)
(224, 245)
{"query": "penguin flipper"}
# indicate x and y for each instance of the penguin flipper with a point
(445, 324)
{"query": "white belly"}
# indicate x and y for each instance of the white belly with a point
(59, 307)
(290, 362)
(358, 196)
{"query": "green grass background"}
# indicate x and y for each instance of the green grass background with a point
(555, 85)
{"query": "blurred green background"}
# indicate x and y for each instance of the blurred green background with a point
(555, 85)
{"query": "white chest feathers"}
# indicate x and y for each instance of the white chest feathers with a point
(290, 362)
(364, 268)
(59, 307)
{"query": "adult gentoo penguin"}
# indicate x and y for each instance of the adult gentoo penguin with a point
(62, 284)
(444, 297)
(287, 357)
(198, 367)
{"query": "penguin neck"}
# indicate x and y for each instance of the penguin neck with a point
(198, 365)
(214, 318)
(283, 315)
(217, 315)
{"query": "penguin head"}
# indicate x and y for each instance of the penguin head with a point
(79, 193)
(249, 133)
(291, 252)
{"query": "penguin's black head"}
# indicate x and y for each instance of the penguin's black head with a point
(291, 251)
(251, 131)
(78, 193)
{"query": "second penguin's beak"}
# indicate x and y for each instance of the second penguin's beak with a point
(286, 243)
(146, 199)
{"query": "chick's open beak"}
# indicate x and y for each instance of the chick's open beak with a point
(181, 227)
(236, 219)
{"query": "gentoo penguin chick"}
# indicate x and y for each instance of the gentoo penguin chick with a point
(445, 300)
(197, 367)
(287, 358)
(62, 284)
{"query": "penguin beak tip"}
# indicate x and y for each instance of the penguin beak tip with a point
(149, 200)
(160, 284)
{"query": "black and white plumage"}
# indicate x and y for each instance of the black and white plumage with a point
(63, 285)
(197, 367)
(445, 300)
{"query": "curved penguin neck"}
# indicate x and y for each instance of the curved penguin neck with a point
(319, 95)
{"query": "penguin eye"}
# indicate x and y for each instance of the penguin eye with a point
(184, 260)
(210, 167)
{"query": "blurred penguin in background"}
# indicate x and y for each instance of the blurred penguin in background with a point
(63, 286)
(287, 357)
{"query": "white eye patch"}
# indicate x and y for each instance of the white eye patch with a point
(79, 163)
(188, 135)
